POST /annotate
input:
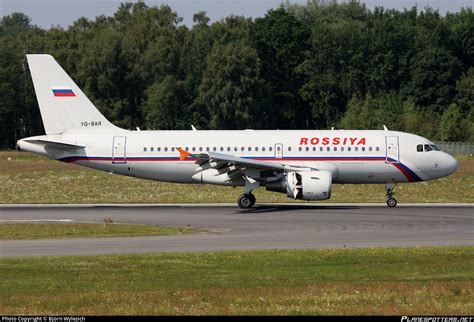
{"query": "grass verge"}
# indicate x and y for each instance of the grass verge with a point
(26, 178)
(47, 231)
(398, 281)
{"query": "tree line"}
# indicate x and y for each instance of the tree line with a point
(314, 66)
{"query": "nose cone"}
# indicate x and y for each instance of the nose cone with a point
(451, 164)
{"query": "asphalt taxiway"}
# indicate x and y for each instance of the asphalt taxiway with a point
(279, 226)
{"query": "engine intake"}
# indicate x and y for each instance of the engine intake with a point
(307, 185)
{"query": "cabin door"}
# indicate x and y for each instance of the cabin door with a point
(119, 149)
(392, 149)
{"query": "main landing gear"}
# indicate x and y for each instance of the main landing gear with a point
(246, 201)
(391, 202)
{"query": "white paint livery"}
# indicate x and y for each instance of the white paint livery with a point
(301, 163)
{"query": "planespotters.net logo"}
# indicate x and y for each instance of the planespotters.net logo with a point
(437, 319)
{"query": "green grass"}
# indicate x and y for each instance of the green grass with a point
(26, 178)
(398, 281)
(73, 230)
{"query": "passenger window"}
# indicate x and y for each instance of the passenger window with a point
(377, 149)
(363, 148)
(263, 149)
(335, 148)
(328, 148)
(158, 149)
(221, 149)
(236, 149)
(428, 148)
(166, 149)
(321, 149)
(144, 149)
(314, 148)
(228, 148)
(289, 148)
(152, 149)
(349, 148)
(270, 149)
(307, 148)
(172, 149)
(356, 148)
(342, 149)
(186, 149)
(370, 148)
(194, 149)
(207, 149)
(214, 149)
(300, 149)
(242, 149)
(200, 148)
(419, 148)
(256, 148)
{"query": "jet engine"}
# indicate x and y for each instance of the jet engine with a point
(307, 185)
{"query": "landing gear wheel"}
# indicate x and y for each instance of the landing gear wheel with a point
(246, 201)
(391, 202)
(252, 198)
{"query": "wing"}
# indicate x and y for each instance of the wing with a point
(221, 160)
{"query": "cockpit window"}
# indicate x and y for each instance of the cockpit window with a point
(419, 148)
(434, 147)
(428, 148)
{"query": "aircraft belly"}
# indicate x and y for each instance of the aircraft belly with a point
(164, 171)
(350, 172)
(381, 172)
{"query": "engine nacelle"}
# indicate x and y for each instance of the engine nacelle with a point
(307, 185)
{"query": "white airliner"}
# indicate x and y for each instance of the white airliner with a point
(302, 164)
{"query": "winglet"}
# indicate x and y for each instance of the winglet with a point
(182, 154)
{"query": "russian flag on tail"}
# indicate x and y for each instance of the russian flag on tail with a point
(63, 92)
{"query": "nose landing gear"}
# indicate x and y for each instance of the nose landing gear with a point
(391, 202)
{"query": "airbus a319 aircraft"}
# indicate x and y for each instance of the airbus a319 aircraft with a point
(303, 164)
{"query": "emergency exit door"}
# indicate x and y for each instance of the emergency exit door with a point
(119, 149)
(392, 149)
(278, 151)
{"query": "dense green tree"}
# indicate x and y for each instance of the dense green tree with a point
(315, 65)
(163, 109)
(281, 42)
(419, 121)
(453, 126)
(231, 87)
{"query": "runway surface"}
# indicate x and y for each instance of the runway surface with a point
(287, 226)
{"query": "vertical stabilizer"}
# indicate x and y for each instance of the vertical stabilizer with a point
(62, 104)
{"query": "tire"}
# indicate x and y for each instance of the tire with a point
(246, 201)
(252, 198)
(391, 202)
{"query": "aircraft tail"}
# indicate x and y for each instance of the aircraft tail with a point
(62, 104)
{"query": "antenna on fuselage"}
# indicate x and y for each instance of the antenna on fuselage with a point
(385, 128)
(193, 128)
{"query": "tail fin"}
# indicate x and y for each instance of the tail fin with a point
(62, 104)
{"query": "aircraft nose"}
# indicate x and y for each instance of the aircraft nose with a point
(451, 164)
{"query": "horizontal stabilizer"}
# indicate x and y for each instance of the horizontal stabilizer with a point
(56, 144)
